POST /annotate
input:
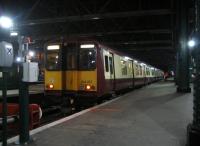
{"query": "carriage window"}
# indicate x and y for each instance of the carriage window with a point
(124, 67)
(106, 63)
(141, 70)
(53, 60)
(111, 64)
(137, 70)
(130, 69)
(87, 58)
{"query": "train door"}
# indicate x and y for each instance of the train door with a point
(112, 70)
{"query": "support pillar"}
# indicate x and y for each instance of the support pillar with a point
(183, 52)
(24, 113)
(193, 130)
(4, 96)
(177, 68)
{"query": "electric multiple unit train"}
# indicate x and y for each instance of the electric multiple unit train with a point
(87, 71)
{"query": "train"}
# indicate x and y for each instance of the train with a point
(79, 71)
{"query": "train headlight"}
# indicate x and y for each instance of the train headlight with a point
(88, 87)
(51, 86)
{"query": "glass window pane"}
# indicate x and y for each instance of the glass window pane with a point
(106, 64)
(111, 64)
(52, 60)
(87, 58)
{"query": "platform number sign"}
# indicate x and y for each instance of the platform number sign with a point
(6, 54)
(9, 51)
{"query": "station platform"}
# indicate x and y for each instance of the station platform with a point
(154, 115)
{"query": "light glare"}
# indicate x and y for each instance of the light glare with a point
(191, 43)
(6, 22)
(18, 59)
(31, 53)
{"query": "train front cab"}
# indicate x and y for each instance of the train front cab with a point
(71, 71)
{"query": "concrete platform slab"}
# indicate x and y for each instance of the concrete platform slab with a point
(152, 116)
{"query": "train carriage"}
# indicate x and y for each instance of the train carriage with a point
(87, 70)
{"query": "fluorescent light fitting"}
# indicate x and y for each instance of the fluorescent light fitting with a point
(135, 61)
(87, 46)
(53, 47)
(13, 34)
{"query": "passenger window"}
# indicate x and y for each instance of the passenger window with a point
(124, 67)
(141, 70)
(130, 69)
(111, 64)
(106, 64)
(137, 70)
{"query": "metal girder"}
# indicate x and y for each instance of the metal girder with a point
(145, 48)
(99, 34)
(32, 9)
(140, 42)
(97, 16)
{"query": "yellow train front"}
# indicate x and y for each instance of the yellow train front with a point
(71, 72)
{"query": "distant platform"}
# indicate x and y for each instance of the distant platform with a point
(33, 89)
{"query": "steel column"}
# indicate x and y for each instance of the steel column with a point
(24, 136)
(4, 96)
(24, 113)
(193, 130)
(183, 59)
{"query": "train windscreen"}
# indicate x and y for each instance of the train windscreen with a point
(52, 57)
(87, 58)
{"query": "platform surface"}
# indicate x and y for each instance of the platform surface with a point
(154, 115)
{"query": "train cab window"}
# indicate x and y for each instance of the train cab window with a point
(87, 59)
(53, 57)
(111, 65)
(106, 63)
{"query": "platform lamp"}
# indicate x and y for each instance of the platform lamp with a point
(6, 61)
